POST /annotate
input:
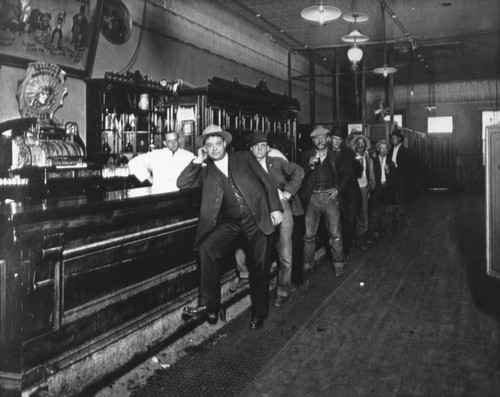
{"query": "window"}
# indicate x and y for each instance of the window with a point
(398, 119)
(354, 127)
(489, 117)
(440, 125)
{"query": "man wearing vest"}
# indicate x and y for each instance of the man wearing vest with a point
(360, 145)
(238, 197)
(324, 182)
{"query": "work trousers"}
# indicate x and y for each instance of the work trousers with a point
(322, 203)
(362, 222)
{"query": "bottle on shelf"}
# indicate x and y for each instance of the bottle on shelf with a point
(129, 148)
(106, 148)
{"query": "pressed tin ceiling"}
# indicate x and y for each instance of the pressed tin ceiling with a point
(457, 39)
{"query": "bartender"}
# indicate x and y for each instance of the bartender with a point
(161, 167)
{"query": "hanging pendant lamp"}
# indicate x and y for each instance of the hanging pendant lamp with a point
(385, 70)
(355, 54)
(321, 13)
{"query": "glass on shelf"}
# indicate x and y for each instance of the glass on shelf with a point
(142, 141)
(128, 143)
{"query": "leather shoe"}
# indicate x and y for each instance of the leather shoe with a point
(281, 301)
(197, 312)
(256, 323)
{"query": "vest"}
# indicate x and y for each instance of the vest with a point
(324, 177)
(233, 204)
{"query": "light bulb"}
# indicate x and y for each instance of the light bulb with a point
(321, 14)
(385, 72)
(355, 54)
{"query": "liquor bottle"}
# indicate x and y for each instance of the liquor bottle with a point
(128, 145)
(106, 149)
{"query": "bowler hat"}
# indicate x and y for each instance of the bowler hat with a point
(336, 132)
(398, 133)
(357, 137)
(213, 130)
(320, 130)
(256, 137)
(382, 142)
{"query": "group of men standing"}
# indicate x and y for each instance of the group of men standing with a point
(251, 194)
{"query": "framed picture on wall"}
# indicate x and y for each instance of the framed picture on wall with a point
(116, 23)
(63, 32)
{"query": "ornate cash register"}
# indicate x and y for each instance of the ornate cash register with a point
(40, 156)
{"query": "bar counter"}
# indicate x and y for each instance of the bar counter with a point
(90, 281)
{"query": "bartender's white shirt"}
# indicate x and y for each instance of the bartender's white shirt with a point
(164, 166)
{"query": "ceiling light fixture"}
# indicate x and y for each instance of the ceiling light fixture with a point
(355, 54)
(321, 13)
(355, 36)
(385, 70)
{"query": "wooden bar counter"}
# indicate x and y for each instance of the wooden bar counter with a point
(87, 282)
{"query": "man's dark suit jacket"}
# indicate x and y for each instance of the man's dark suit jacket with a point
(288, 176)
(377, 170)
(342, 174)
(254, 183)
(354, 169)
(403, 170)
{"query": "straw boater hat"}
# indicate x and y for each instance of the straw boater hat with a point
(213, 130)
(357, 137)
(382, 142)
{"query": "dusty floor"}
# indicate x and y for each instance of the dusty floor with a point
(415, 315)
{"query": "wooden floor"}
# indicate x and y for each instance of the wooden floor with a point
(415, 315)
(425, 322)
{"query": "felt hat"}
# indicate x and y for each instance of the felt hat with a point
(357, 137)
(398, 133)
(256, 137)
(337, 133)
(382, 142)
(213, 130)
(319, 131)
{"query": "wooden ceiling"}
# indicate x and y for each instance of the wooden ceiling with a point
(447, 39)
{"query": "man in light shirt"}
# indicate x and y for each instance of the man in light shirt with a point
(382, 171)
(161, 167)
(383, 193)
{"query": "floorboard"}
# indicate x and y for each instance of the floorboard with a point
(415, 315)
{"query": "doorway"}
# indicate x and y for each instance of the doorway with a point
(440, 161)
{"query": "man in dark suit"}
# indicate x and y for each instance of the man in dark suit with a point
(382, 194)
(350, 199)
(400, 167)
(288, 177)
(238, 197)
(324, 183)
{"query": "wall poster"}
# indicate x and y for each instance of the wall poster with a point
(63, 32)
